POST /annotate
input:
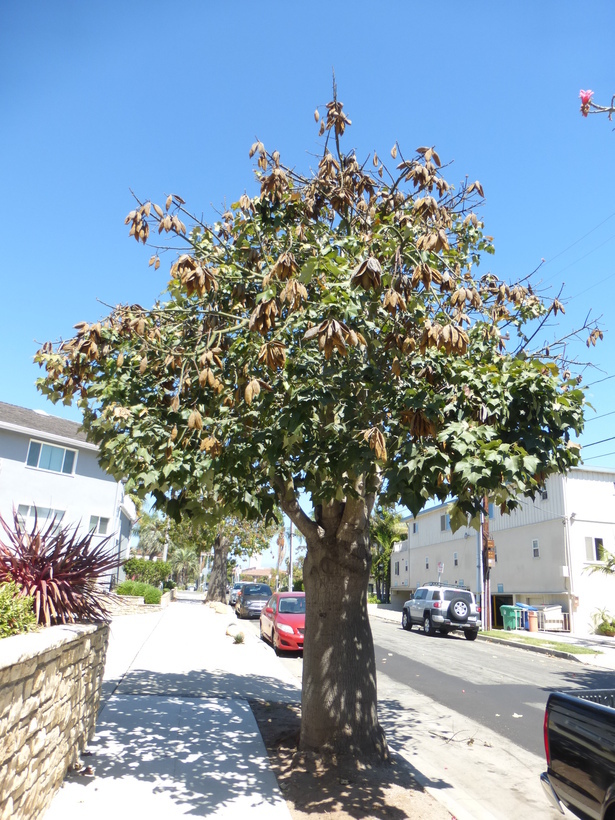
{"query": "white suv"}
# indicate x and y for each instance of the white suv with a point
(442, 607)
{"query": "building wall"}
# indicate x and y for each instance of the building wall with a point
(87, 491)
(565, 522)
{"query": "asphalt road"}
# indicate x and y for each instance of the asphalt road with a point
(500, 687)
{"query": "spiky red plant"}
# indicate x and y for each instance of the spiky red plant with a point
(58, 568)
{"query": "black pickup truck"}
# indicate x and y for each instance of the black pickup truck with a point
(579, 734)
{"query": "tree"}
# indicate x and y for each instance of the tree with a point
(330, 336)
(152, 532)
(386, 529)
(588, 106)
(234, 538)
(185, 564)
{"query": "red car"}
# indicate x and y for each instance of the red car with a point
(283, 621)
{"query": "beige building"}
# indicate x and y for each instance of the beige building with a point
(544, 550)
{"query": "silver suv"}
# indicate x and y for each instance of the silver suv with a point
(442, 607)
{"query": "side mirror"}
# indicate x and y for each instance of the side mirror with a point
(269, 609)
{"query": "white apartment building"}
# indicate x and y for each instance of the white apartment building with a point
(544, 550)
(49, 470)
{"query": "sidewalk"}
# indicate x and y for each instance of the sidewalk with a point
(603, 646)
(175, 735)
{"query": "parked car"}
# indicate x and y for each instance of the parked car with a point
(442, 607)
(251, 598)
(579, 734)
(283, 621)
(234, 590)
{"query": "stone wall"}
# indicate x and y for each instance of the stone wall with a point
(49, 695)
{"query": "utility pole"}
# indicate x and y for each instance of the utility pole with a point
(488, 547)
(290, 558)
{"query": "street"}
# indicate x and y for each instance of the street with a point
(469, 716)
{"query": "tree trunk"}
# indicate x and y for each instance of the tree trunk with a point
(339, 698)
(216, 588)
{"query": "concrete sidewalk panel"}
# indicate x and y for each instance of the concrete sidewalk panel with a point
(173, 757)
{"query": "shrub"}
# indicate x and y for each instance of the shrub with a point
(16, 611)
(372, 598)
(150, 572)
(604, 623)
(169, 584)
(150, 594)
(58, 568)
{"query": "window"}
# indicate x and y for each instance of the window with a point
(43, 516)
(427, 562)
(544, 494)
(99, 525)
(535, 548)
(396, 567)
(445, 522)
(594, 549)
(406, 566)
(456, 559)
(48, 457)
(491, 510)
(415, 527)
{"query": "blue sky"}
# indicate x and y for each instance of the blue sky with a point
(99, 98)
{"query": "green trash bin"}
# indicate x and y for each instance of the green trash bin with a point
(509, 616)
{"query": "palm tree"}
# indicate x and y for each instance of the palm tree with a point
(386, 528)
(185, 564)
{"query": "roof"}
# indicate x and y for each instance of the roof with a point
(20, 419)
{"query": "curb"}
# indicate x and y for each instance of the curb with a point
(541, 650)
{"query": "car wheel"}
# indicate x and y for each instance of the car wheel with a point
(458, 610)
(471, 634)
(427, 626)
(274, 643)
(263, 638)
(406, 623)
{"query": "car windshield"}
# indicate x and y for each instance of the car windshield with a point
(449, 594)
(257, 589)
(295, 605)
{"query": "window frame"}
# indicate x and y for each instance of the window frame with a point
(40, 444)
(96, 529)
(535, 548)
(33, 513)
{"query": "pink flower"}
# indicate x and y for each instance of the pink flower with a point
(586, 98)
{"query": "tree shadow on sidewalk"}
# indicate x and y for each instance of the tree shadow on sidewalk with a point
(193, 740)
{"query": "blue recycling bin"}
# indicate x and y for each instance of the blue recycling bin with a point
(525, 619)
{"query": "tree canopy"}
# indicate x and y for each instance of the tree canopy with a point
(332, 335)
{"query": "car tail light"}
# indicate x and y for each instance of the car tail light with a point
(478, 610)
(546, 737)
(437, 604)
